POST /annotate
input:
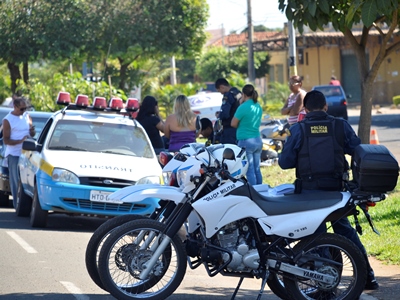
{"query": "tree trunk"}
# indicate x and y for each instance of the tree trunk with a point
(25, 72)
(14, 74)
(122, 73)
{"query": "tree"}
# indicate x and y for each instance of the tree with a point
(343, 14)
(218, 62)
(141, 29)
(35, 29)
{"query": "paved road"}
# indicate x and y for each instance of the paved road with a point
(49, 264)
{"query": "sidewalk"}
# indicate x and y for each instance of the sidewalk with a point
(388, 277)
(376, 110)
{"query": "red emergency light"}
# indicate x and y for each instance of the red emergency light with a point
(116, 104)
(99, 103)
(132, 104)
(63, 98)
(82, 101)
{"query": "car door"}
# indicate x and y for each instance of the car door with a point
(30, 161)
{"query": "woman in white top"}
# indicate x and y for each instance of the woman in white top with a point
(17, 127)
(294, 103)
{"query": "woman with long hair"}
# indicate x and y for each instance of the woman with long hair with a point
(247, 120)
(181, 127)
(149, 118)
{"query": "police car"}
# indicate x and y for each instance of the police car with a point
(83, 154)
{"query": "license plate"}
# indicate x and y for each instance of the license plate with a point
(100, 196)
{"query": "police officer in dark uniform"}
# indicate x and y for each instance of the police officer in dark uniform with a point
(316, 147)
(230, 103)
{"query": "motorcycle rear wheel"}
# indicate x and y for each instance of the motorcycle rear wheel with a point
(121, 261)
(346, 264)
(97, 241)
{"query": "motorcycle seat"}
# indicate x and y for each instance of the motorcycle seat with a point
(291, 203)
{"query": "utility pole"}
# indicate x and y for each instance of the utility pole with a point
(173, 73)
(292, 49)
(250, 66)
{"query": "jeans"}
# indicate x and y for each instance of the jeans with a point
(344, 228)
(253, 148)
(13, 176)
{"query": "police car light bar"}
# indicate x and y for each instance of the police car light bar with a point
(99, 103)
(63, 98)
(82, 101)
(116, 104)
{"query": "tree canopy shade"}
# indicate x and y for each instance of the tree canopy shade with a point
(133, 29)
(380, 15)
(31, 30)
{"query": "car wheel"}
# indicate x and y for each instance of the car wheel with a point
(24, 202)
(345, 116)
(38, 215)
(4, 200)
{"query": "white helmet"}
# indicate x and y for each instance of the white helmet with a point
(237, 166)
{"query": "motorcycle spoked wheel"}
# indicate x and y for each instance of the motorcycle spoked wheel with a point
(347, 265)
(122, 259)
(96, 242)
(275, 279)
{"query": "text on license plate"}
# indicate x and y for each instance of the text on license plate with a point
(100, 196)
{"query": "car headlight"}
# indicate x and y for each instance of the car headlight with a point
(148, 180)
(62, 175)
(167, 177)
(181, 177)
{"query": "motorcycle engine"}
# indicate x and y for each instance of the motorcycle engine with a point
(234, 237)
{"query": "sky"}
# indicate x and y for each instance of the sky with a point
(232, 14)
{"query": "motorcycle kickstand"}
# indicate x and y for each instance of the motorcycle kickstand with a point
(265, 275)
(237, 288)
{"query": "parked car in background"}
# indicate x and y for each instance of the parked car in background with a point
(206, 104)
(335, 98)
(83, 154)
(39, 119)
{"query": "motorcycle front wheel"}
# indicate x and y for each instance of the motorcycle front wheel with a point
(333, 255)
(125, 253)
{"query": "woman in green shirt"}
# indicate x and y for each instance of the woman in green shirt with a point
(247, 120)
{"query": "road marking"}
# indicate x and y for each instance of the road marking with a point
(28, 248)
(74, 290)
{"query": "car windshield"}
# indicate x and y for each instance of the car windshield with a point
(72, 135)
(329, 91)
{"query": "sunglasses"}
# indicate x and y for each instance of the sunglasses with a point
(22, 109)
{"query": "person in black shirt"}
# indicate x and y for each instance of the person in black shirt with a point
(207, 131)
(148, 117)
(230, 102)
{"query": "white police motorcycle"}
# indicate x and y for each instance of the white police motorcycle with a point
(233, 230)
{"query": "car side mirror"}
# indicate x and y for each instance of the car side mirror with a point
(31, 145)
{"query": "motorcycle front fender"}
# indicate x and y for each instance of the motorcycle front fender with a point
(137, 193)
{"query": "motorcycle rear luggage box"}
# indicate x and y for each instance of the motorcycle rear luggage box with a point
(374, 168)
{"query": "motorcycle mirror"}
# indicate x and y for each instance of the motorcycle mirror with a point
(228, 154)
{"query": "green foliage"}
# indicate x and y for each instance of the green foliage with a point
(43, 95)
(396, 100)
(342, 14)
(218, 62)
(275, 98)
(132, 30)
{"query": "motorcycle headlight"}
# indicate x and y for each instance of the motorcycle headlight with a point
(148, 180)
(181, 177)
(62, 175)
